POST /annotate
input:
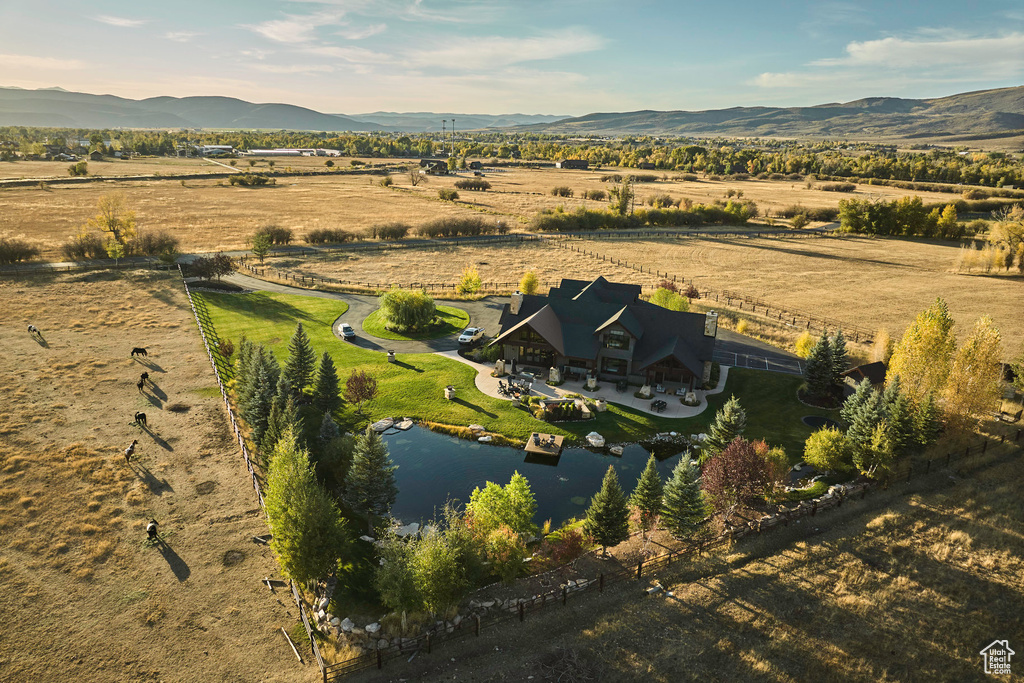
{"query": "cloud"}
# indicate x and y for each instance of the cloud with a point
(364, 32)
(121, 21)
(31, 62)
(935, 47)
(488, 52)
(296, 28)
(353, 55)
(181, 36)
(293, 68)
(929, 56)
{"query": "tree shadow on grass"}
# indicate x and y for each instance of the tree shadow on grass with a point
(474, 406)
(261, 307)
(402, 364)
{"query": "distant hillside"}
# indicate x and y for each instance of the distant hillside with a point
(430, 122)
(58, 107)
(54, 107)
(974, 113)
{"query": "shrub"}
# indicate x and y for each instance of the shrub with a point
(799, 221)
(691, 292)
(226, 347)
(407, 309)
(643, 178)
(328, 236)
(742, 326)
(251, 180)
(975, 193)
(389, 231)
(86, 245)
(613, 178)
(597, 195)
(277, 235)
(472, 184)
(837, 187)
(387, 181)
(154, 244)
(456, 226)
(447, 195)
(561, 191)
(689, 177)
(13, 250)
(661, 201)
(79, 169)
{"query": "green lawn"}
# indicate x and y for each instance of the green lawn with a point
(449, 321)
(413, 387)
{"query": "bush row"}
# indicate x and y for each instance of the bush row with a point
(13, 250)
(91, 245)
(582, 220)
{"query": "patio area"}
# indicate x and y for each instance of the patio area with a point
(607, 391)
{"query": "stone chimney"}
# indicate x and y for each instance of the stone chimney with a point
(711, 324)
(517, 302)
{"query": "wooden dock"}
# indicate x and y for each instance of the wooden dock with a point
(544, 444)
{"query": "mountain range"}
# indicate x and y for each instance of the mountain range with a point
(983, 113)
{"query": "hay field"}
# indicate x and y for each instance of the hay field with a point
(907, 585)
(83, 596)
(209, 215)
(108, 167)
(870, 282)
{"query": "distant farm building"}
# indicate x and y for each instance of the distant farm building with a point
(215, 150)
(582, 164)
(646, 166)
(292, 152)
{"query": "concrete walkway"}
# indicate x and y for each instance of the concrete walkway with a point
(675, 409)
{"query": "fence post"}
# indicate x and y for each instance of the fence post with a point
(984, 446)
(600, 583)
(639, 569)
(910, 470)
(948, 456)
(522, 613)
(380, 659)
(928, 467)
(565, 594)
(428, 643)
(476, 626)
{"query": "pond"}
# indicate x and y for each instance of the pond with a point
(819, 422)
(433, 468)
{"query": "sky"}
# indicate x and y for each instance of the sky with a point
(565, 57)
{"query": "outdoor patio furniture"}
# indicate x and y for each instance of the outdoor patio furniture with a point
(659, 389)
(621, 386)
(659, 406)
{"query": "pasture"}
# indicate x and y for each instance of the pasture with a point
(211, 215)
(84, 596)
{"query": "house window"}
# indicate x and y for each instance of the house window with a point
(616, 339)
(614, 366)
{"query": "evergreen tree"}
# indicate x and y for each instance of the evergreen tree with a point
(283, 416)
(608, 515)
(309, 535)
(900, 416)
(256, 412)
(328, 429)
(243, 368)
(730, 422)
(927, 422)
(327, 390)
(684, 508)
(855, 400)
(647, 495)
(301, 360)
(818, 369)
(840, 358)
(868, 416)
(370, 488)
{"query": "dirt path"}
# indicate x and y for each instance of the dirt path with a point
(83, 596)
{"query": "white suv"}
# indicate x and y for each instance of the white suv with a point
(471, 335)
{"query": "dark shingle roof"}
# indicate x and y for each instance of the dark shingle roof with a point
(571, 317)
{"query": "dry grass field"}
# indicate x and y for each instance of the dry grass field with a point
(83, 596)
(208, 215)
(874, 283)
(907, 585)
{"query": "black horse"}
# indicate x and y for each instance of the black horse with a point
(140, 419)
(139, 351)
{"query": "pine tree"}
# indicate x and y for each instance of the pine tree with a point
(865, 419)
(370, 488)
(256, 412)
(924, 354)
(840, 358)
(818, 369)
(684, 508)
(647, 495)
(327, 390)
(927, 422)
(730, 422)
(328, 429)
(309, 535)
(855, 400)
(282, 416)
(301, 360)
(608, 515)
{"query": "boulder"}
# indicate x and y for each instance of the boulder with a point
(654, 590)
(335, 622)
(356, 631)
(457, 620)
(347, 625)
(322, 605)
(487, 604)
(383, 644)
(373, 628)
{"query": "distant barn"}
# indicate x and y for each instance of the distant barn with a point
(581, 164)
